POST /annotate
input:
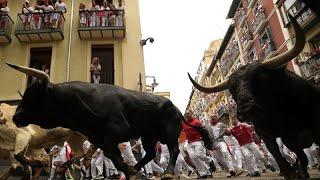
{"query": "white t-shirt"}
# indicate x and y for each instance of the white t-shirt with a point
(28, 10)
(5, 10)
(48, 8)
(61, 7)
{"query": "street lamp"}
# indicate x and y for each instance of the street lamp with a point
(144, 41)
(154, 83)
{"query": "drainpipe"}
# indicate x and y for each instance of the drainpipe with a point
(70, 40)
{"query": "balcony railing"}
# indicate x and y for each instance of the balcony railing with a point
(303, 14)
(241, 16)
(246, 40)
(268, 50)
(101, 24)
(251, 3)
(40, 26)
(259, 20)
(310, 66)
(6, 24)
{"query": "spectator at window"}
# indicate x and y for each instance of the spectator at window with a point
(60, 7)
(111, 13)
(27, 17)
(96, 70)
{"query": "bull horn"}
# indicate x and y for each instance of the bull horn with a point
(219, 87)
(292, 53)
(31, 72)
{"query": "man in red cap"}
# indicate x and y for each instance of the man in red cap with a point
(195, 147)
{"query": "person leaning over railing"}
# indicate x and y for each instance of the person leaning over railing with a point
(83, 21)
(59, 7)
(120, 14)
(27, 16)
(4, 11)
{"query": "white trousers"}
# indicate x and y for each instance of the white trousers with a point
(181, 163)
(164, 160)
(198, 157)
(127, 155)
(97, 165)
(110, 168)
(225, 155)
(251, 152)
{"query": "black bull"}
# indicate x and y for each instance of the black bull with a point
(106, 114)
(279, 103)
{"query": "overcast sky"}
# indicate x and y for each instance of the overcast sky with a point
(183, 30)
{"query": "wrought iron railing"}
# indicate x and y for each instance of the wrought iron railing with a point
(40, 21)
(6, 24)
(106, 77)
(258, 19)
(245, 39)
(310, 66)
(101, 18)
(241, 16)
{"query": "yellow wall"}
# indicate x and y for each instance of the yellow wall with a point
(128, 54)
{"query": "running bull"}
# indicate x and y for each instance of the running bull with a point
(106, 114)
(25, 146)
(279, 103)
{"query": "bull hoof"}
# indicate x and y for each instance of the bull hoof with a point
(167, 176)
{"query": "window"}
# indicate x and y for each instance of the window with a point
(40, 58)
(105, 56)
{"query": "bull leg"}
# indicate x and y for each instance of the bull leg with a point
(285, 168)
(302, 164)
(115, 156)
(149, 147)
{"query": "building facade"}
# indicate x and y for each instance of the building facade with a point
(64, 44)
(308, 62)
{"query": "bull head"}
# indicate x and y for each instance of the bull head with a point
(241, 82)
(34, 98)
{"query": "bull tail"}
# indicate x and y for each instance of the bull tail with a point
(204, 134)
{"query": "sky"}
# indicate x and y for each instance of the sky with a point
(182, 30)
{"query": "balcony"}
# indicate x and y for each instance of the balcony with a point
(40, 27)
(246, 40)
(259, 21)
(310, 66)
(241, 17)
(303, 14)
(251, 3)
(268, 50)
(101, 24)
(6, 24)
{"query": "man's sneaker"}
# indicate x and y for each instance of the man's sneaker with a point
(255, 174)
(239, 172)
(233, 173)
(212, 167)
(189, 173)
(271, 167)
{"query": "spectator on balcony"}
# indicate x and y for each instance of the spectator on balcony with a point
(94, 18)
(120, 13)
(48, 9)
(60, 7)
(102, 16)
(27, 16)
(96, 70)
(83, 15)
(111, 13)
(37, 16)
(4, 10)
